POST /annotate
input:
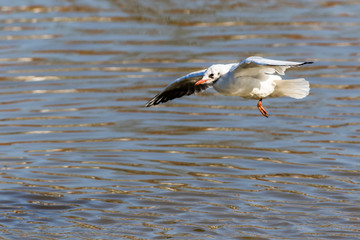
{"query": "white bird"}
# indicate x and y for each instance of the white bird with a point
(254, 78)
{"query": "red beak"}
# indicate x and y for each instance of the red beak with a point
(201, 81)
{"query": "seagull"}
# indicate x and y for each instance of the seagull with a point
(253, 78)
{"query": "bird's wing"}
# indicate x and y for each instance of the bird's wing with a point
(182, 86)
(254, 66)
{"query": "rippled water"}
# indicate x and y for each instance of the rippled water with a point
(82, 158)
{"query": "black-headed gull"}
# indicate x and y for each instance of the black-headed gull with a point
(254, 78)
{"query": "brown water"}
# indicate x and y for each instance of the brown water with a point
(81, 158)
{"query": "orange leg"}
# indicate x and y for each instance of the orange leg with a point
(262, 109)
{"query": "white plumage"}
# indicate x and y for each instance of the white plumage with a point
(254, 77)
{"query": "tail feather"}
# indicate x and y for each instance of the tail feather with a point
(295, 88)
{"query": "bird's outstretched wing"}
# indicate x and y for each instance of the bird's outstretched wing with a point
(182, 86)
(254, 66)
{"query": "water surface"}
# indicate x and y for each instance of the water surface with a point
(82, 158)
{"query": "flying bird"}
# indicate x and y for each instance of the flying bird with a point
(253, 78)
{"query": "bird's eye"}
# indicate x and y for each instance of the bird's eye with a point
(211, 75)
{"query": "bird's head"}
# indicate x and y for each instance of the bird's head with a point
(211, 75)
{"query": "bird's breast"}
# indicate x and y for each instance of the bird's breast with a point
(245, 86)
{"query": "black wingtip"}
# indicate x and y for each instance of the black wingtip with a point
(153, 101)
(150, 103)
(307, 63)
